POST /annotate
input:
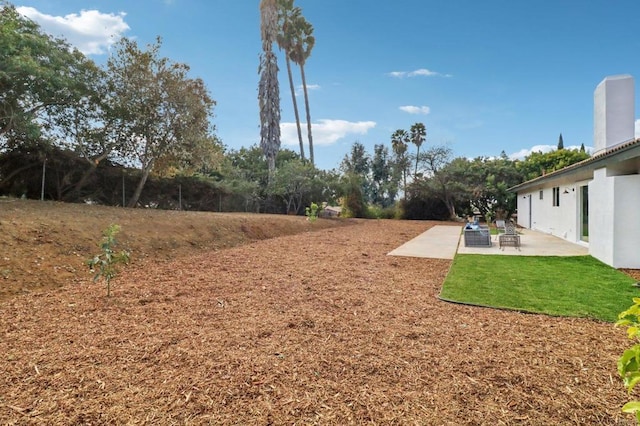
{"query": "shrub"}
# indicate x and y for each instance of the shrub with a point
(312, 212)
(107, 261)
(629, 362)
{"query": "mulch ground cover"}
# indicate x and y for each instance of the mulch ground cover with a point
(317, 328)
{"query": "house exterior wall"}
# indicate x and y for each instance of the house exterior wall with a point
(625, 226)
(614, 203)
(601, 196)
(561, 221)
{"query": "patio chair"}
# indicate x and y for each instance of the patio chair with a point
(478, 236)
(510, 236)
(500, 226)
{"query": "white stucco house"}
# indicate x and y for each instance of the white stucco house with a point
(595, 203)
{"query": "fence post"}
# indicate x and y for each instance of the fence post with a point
(44, 171)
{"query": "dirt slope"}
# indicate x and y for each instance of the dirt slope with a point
(45, 244)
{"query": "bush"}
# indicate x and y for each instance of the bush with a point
(377, 212)
(424, 208)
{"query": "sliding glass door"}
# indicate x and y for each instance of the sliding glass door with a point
(584, 213)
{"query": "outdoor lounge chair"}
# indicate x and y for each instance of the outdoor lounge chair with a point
(478, 236)
(500, 226)
(510, 236)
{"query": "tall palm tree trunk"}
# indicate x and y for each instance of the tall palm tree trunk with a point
(306, 105)
(295, 106)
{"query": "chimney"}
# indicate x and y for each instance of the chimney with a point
(613, 112)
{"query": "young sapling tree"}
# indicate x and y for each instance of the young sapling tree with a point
(105, 264)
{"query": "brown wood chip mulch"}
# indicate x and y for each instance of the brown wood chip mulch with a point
(319, 328)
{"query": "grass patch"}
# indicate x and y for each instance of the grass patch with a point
(576, 286)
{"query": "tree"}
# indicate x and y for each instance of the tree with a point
(539, 163)
(357, 161)
(353, 200)
(401, 162)
(288, 17)
(268, 88)
(383, 186)
(204, 156)
(292, 181)
(356, 167)
(582, 147)
(159, 111)
(560, 142)
(485, 183)
(442, 183)
(418, 134)
(41, 79)
(302, 44)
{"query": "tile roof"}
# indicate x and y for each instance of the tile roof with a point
(598, 156)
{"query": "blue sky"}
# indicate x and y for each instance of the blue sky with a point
(484, 77)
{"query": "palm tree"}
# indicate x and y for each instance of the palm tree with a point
(303, 42)
(268, 89)
(418, 135)
(399, 145)
(287, 17)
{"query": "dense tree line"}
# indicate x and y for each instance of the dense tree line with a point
(430, 183)
(138, 132)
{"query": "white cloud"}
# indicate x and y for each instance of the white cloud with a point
(519, 155)
(325, 132)
(416, 109)
(422, 72)
(310, 88)
(91, 31)
(638, 128)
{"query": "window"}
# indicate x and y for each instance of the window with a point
(556, 196)
(541, 194)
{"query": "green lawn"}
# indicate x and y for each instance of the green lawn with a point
(577, 286)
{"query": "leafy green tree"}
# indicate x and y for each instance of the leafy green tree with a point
(484, 182)
(293, 181)
(159, 109)
(357, 161)
(384, 187)
(203, 156)
(107, 261)
(537, 163)
(356, 169)
(417, 135)
(41, 79)
(326, 187)
(268, 87)
(353, 200)
(246, 174)
(442, 183)
(288, 17)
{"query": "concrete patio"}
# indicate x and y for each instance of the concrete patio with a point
(532, 243)
(443, 241)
